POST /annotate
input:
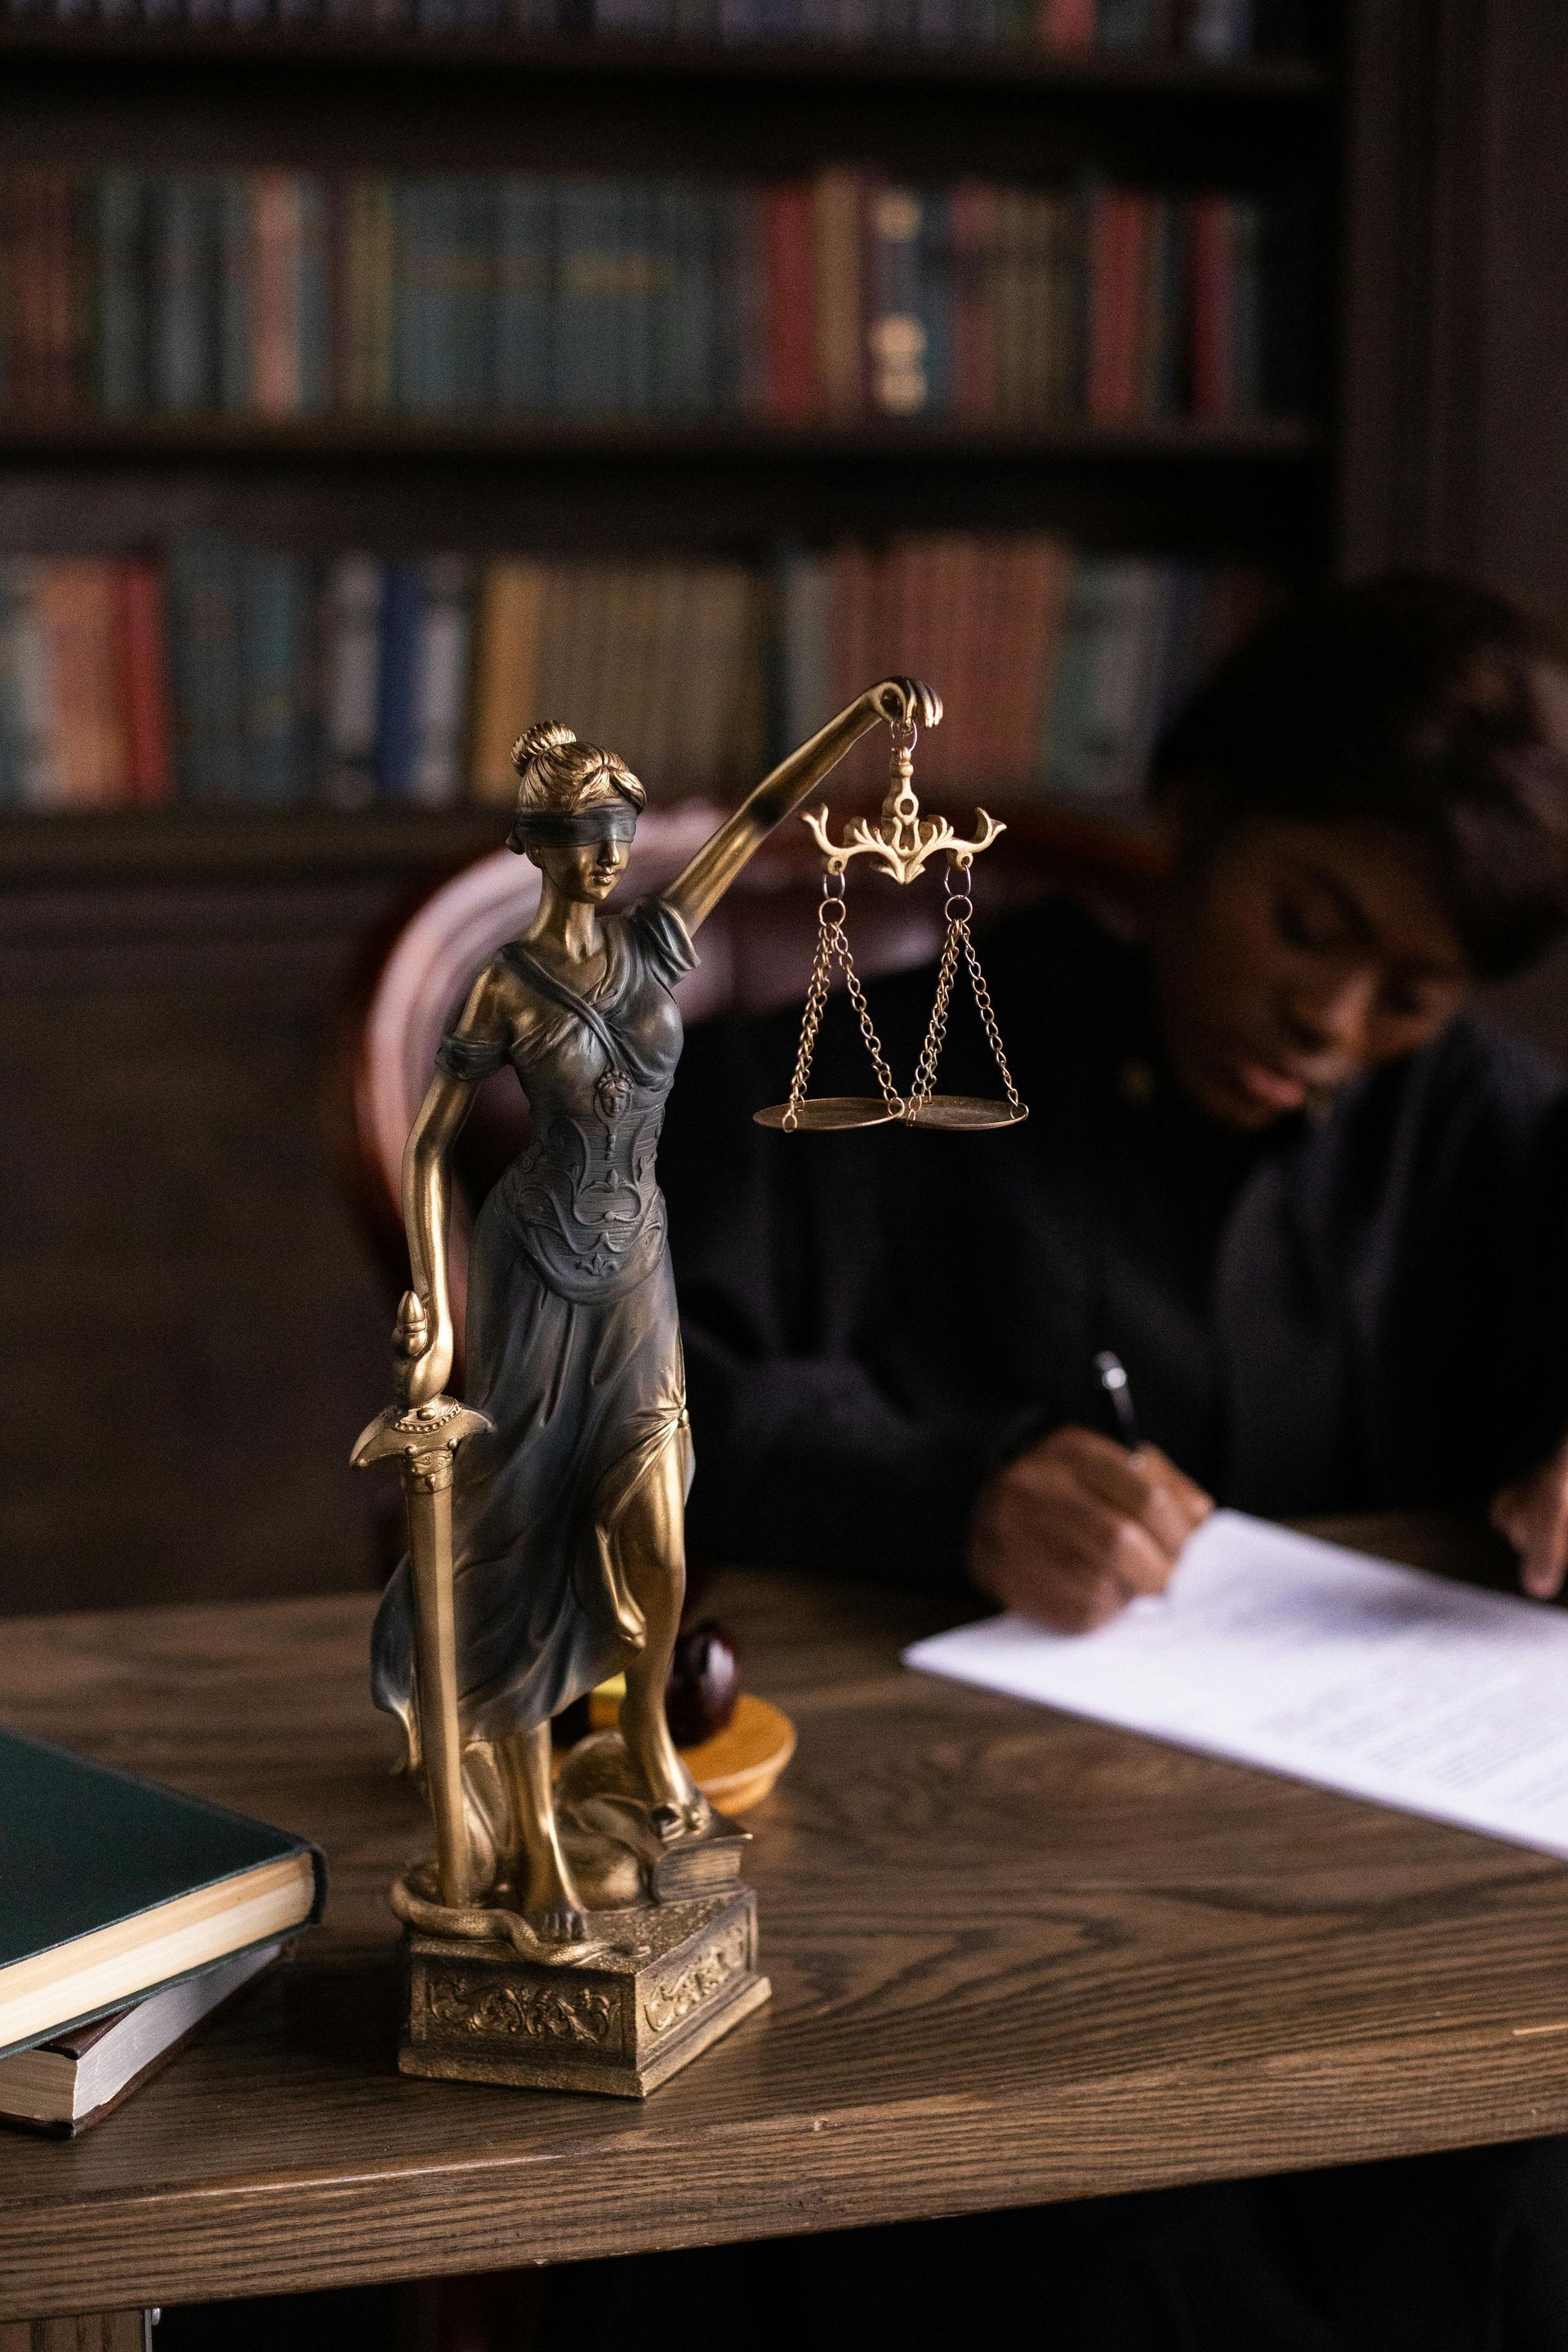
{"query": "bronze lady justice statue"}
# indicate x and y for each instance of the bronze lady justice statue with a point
(567, 1551)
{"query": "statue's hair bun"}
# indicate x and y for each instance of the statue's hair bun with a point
(549, 735)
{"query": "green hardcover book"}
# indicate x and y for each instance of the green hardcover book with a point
(1067, 751)
(15, 589)
(589, 309)
(120, 259)
(204, 582)
(641, 267)
(524, 232)
(315, 294)
(411, 298)
(113, 1885)
(187, 210)
(471, 262)
(684, 326)
(275, 635)
(235, 292)
(436, 253)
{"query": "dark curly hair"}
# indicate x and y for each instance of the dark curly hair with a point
(1414, 701)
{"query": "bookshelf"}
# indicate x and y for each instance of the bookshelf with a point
(192, 958)
(37, 40)
(358, 118)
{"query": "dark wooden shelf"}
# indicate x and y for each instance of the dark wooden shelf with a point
(335, 440)
(91, 845)
(111, 844)
(617, 56)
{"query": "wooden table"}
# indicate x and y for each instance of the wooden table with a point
(1016, 1957)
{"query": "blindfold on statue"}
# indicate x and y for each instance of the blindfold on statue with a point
(560, 829)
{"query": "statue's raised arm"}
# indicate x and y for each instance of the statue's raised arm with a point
(697, 891)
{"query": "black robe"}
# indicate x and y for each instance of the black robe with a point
(1356, 1313)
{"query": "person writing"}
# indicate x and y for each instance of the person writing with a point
(1314, 1206)
(1318, 1212)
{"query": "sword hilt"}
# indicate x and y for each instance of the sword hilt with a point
(407, 1433)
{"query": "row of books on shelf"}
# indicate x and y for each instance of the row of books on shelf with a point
(278, 295)
(235, 674)
(1221, 30)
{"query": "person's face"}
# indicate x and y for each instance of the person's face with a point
(585, 871)
(1291, 959)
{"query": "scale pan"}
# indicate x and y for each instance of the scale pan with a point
(966, 1111)
(823, 1112)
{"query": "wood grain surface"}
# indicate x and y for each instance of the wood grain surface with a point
(86, 2332)
(1016, 1957)
(93, 2331)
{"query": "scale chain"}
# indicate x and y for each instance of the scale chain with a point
(988, 1019)
(811, 1020)
(890, 1094)
(959, 940)
(833, 944)
(936, 1031)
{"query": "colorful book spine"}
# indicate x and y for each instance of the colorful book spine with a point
(14, 601)
(396, 713)
(272, 295)
(186, 309)
(120, 257)
(205, 640)
(523, 337)
(794, 383)
(899, 344)
(641, 289)
(1119, 278)
(1213, 309)
(587, 369)
(506, 674)
(77, 606)
(238, 674)
(273, 753)
(687, 341)
(349, 646)
(1067, 28)
(440, 694)
(275, 258)
(143, 665)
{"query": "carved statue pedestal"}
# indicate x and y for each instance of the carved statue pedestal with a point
(654, 1987)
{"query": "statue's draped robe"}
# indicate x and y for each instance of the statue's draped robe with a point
(573, 1347)
(1364, 1312)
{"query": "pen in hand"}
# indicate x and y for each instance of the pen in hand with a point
(1084, 1520)
(1111, 1374)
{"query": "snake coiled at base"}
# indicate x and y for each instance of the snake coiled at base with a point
(414, 1899)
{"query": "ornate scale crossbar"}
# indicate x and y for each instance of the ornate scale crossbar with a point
(901, 843)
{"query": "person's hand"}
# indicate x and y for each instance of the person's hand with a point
(1533, 1515)
(424, 1343)
(908, 702)
(1074, 1529)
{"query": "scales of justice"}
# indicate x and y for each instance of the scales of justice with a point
(585, 1926)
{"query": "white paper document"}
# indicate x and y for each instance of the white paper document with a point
(1275, 1649)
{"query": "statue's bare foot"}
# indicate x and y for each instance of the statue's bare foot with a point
(555, 1907)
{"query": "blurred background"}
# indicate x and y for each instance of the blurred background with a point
(379, 376)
